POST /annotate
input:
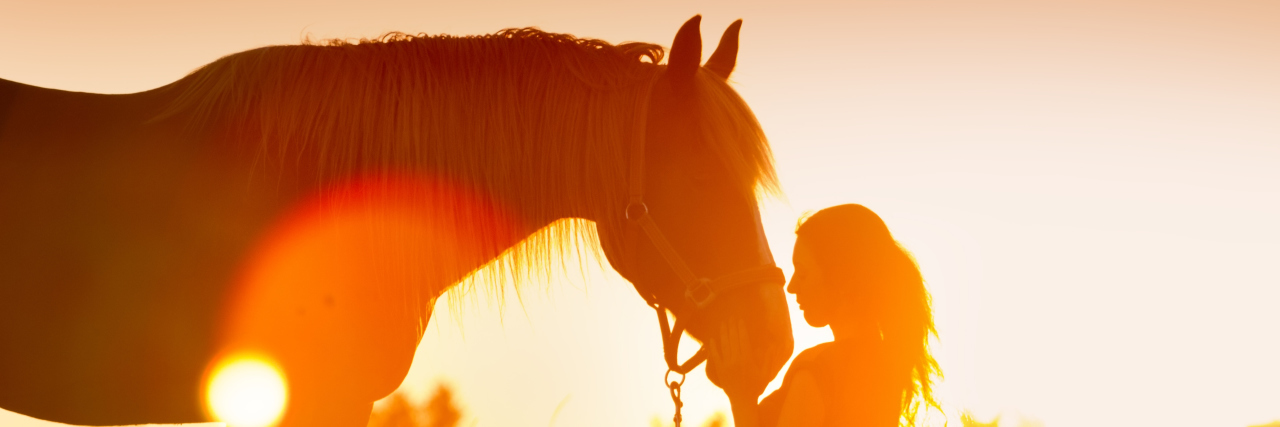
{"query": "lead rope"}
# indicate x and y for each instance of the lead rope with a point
(674, 388)
(670, 350)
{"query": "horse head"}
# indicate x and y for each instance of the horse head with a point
(694, 244)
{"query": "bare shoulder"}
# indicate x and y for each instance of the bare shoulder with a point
(811, 354)
(803, 404)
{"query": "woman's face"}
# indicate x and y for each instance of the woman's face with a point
(816, 298)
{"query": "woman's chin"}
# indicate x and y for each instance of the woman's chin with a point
(816, 320)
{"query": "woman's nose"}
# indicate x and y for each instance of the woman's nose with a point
(791, 286)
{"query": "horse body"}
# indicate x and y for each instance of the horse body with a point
(94, 295)
(268, 204)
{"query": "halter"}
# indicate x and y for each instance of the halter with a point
(701, 291)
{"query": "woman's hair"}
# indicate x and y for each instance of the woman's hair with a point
(855, 250)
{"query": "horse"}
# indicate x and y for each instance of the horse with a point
(309, 204)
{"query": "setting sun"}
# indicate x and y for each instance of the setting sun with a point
(247, 392)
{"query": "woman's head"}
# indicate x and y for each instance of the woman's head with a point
(842, 257)
(848, 268)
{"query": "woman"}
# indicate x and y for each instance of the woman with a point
(851, 275)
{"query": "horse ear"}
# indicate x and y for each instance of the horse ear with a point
(686, 50)
(726, 54)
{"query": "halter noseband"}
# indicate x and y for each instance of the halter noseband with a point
(700, 291)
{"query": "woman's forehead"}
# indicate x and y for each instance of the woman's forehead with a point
(803, 251)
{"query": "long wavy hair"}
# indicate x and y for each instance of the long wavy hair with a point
(854, 249)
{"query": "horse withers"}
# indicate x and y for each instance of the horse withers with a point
(309, 203)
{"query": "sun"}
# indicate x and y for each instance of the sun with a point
(246, 391)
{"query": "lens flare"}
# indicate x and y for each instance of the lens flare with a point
(246, 392)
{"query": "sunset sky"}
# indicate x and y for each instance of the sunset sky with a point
(1092, 189)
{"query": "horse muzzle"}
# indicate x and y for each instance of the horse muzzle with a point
(750, 341)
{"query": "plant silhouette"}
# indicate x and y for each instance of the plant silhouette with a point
(438, 411)
(968, 420)
(717, 419)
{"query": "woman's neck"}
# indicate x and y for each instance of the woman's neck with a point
(855, 330)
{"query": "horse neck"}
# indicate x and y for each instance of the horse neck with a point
(499, 156)
(440, 224)
(515, 224)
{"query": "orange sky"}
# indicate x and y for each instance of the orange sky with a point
(1090, 187)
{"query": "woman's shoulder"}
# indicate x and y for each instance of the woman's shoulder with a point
(839, 365)
(812, 355)
(831, 358)
(807, 362)
(799, 401)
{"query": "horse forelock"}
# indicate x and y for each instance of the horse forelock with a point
(539, 120)
(735, 135)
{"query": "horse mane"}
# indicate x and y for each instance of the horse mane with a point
(490, 111)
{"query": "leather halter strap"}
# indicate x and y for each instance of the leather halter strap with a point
(699, 290)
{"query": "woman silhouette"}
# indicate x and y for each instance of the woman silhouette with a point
(852, 275)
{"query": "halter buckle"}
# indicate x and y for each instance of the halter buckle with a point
(700, 293)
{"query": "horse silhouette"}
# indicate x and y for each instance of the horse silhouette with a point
(309, 203)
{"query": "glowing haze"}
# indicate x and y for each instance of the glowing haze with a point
(1090, 187)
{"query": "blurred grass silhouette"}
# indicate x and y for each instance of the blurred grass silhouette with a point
(715, 420)
(968, 420)
(438, 411)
